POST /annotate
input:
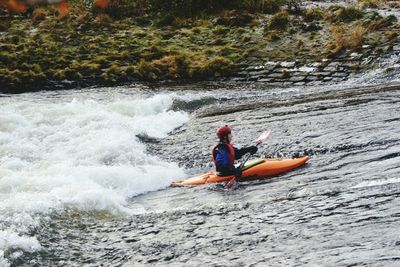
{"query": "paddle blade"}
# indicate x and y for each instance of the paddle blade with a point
(263, 136)
(230, 183)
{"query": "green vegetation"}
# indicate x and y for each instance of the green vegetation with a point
(279, 21)
(344, 14)
(194, 39)
(370, 3)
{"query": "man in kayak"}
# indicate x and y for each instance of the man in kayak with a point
(224, 153)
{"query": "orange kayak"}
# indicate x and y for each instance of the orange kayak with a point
(253, 169)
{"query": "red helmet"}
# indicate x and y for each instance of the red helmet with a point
(223, 131)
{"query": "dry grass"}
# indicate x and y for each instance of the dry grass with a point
(103, 19)
(39, 14)
(391, 34)
(184, 66)
(382, 23)
(346, 38)
(171, 66)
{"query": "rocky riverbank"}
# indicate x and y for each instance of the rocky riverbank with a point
(333, 70)
(291, 44)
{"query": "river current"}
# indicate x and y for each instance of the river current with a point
(84, 175)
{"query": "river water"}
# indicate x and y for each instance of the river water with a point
(84, 175)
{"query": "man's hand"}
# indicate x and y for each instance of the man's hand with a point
(253, 149)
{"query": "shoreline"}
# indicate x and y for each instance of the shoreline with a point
(41, 51)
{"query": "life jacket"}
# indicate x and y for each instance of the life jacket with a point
(231, 159)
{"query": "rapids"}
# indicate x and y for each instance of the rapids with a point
(77, 151)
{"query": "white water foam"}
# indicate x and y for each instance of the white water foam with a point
(12, 240)
(83, 154)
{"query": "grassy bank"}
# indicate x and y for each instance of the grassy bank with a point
(156, 40)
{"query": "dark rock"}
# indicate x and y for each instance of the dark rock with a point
(287, 84)
(299, 73)
(280, 70)
(255, 78)
(297, 78)
(169, 257)
(317, 82)
(251, 68)
(340, 74)
(330, 69)
(254, 73)
(152, 260)
(343, 57)
(311, 78)
(299, 83)
(130, 239)
(310, 27)
(238, 79)
(197, 221)
(322, 73)
(334, 64)
(264, 72)
(276, 84)
(147, 139)
(242, 73)
(276, 75)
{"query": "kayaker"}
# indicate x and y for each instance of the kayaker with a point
(224, 153)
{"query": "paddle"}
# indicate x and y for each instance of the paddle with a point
(258, 141)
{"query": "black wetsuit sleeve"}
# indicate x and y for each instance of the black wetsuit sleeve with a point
(241, 152)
